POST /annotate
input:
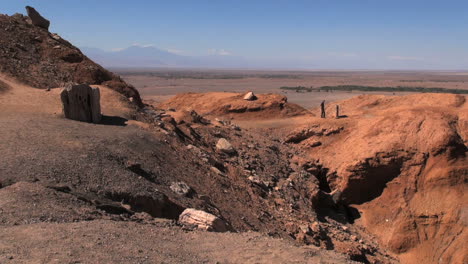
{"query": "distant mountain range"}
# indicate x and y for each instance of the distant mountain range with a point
(139, 56)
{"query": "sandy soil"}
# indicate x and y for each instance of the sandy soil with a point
(103, 241)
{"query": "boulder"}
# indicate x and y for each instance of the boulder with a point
(202, 220)
(81, 103)
(37, 19)
(224, 146)
(181, 188)
(250, 96)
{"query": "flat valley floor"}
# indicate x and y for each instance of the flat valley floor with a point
(160, 84)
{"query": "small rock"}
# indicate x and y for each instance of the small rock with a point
(315, 227)
(258, 182)
(190, 146)
(314, 144)
(55, 36)
(305, 229)
(253, 179)
(224, 146)
(196, 118)
(223, 122)
(216, 170)
(202, 220)
(143, 216)
(181, 188)
(250, 96)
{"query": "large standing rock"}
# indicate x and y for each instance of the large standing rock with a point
(81, 102)
(36, 18)
(202, 220)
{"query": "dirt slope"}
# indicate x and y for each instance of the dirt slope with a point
(42, 59)
(121, 170)
(54, 170)
(401, 161)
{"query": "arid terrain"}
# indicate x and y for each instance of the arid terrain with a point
(383, 182)
(162, 84)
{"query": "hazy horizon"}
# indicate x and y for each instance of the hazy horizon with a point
(304, 35)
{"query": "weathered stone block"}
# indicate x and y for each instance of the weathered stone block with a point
(82, 103)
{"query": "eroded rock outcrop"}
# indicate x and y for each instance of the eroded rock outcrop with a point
(402, 163)
(37, 19)
(234, 105)
(302, 134)
(44, 60)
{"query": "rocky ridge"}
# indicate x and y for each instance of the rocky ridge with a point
(42, 59)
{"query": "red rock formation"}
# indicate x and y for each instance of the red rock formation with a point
(233, 104)
(401, 161)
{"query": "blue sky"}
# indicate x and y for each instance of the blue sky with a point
(346, 34)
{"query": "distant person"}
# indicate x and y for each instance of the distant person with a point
(322, 107)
